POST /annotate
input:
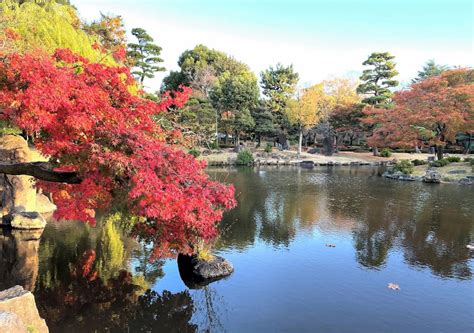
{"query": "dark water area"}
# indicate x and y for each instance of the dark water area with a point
(286, 278)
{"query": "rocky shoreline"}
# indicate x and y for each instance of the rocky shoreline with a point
(300, 163)
(431, 176)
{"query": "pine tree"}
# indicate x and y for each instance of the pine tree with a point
(377, 80)
(144, 55)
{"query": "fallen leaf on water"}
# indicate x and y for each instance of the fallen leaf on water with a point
(470, 247)
(331, 245)
(393, 286)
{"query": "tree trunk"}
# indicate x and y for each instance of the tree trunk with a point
(417, 150)
(217, 130)
(376, 151)
(237, 143)
(328, 143)
(300, 142)
(439, 152)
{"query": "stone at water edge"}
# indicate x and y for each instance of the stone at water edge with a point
(22, 303)
(24, 220)
(432, 176)
(215, 268)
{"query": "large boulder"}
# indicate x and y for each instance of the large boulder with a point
(44, 205)
(22, 303)
(11, 323)
(432, 176)
(16, 192)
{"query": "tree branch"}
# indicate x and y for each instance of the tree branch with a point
(42, 171)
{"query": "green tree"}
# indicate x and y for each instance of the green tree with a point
(278, 86)
(234, 96)
(144, 55)
(199, 69)
(377, 80)
(264, 123)
(430, 69)
(198, 119)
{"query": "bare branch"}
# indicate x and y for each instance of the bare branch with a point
(42, 171)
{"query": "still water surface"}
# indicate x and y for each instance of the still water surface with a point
(286, 278)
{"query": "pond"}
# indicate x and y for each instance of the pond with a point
(313, 250)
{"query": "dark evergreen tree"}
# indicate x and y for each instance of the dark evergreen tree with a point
(377, 80)
(144, 56)
(429, 69)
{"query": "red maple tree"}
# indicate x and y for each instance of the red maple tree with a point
(101, 134)
(432, 111)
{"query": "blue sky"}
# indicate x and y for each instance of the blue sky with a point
(322, 39)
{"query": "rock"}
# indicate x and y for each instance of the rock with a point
(24, 220)
(457, 172)
(44, 205)
(313, 151)
(465, 181)
(398, 175)
(200, 272)
(307, 164)
(16, 192)
(432, 176)
(22, 303)
(11, 323)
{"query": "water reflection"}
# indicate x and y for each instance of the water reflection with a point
(86, 302)
(19, 261)
(99, 280)
(431, 225)
(85, 285)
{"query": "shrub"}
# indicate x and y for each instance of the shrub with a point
(440, 163)
(194, 152)
(452, 159)
(404, 166)
(419, 162)
(468, 159)
(214, 145)
(244, 157)
(268, 147)
(385, 152)
(204, 251)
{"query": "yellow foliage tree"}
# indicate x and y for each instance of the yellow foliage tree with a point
(306, 110)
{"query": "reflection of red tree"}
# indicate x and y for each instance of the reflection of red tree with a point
(86, 303)
(84, 267)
